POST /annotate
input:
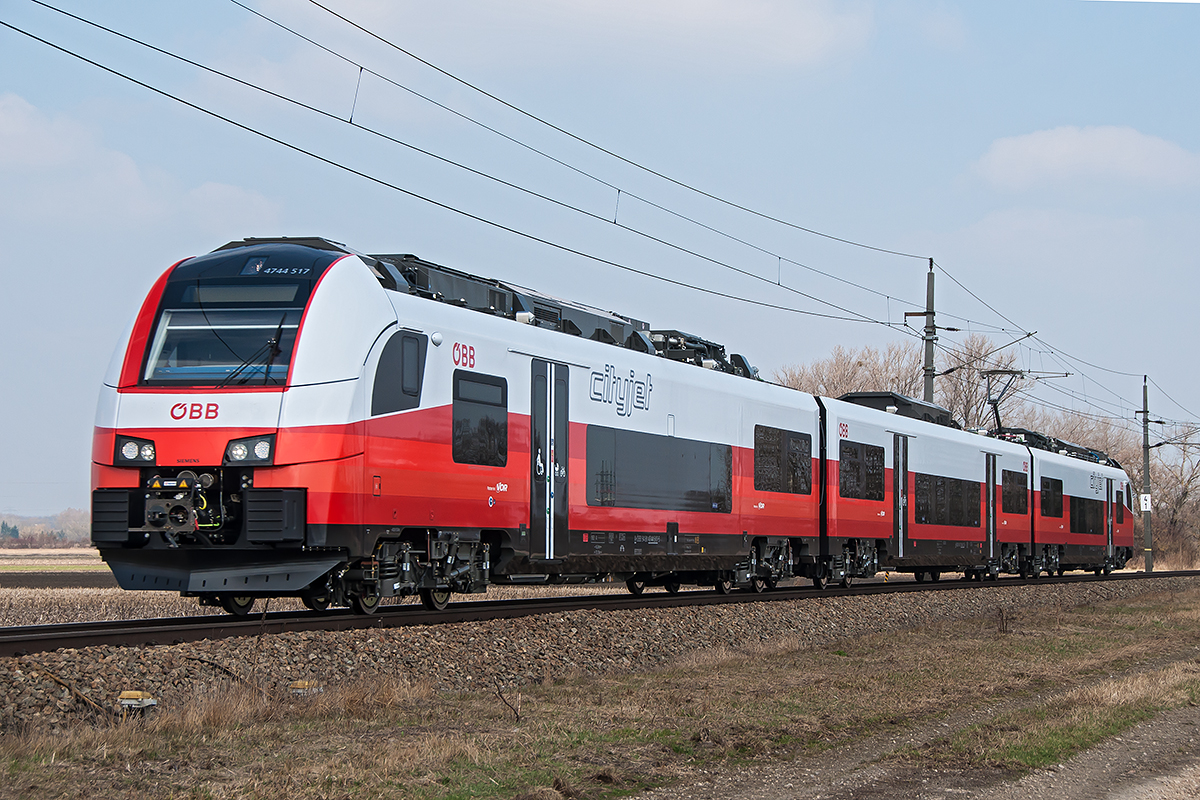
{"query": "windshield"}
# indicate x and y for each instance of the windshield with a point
(245, 346)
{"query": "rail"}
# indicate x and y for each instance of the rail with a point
(28, 639)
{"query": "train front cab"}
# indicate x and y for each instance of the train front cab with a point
(227, 454)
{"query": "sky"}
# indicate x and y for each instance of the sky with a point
(1045, 154)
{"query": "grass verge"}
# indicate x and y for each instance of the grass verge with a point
(1101, 668)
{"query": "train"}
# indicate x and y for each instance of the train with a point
(287, 417)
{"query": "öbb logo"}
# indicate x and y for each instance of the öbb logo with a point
(195, 411)
(464, 355)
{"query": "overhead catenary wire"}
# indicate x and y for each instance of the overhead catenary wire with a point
(445, 206)
(864, 318)
(1054, 352)
(587, 142)
(620, 191)
(471, 170)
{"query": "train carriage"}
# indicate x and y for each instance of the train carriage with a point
(290, 418)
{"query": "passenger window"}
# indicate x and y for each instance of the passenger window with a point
(1120, 507)
(480, 419)
(1052, 505)
(629, 469)
(1014, 498)
(1087, 515)
(947, 501)
(782, 461)
(399, 374)
(860, 471)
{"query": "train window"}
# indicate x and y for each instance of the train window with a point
(782, 461)
(398, 376)
(1052, 497)
(1120, 508)
(860, 471)
(1087, 515)
(627, 469)
(480, 419)
(1014, 497)
(947, 501)
(233, 346)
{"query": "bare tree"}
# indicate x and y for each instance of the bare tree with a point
(898, 367)
(962, 387)
(895, 368)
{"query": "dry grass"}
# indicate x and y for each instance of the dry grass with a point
(599, 737)
(1072, 721)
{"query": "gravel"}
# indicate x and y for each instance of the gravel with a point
(500, 652)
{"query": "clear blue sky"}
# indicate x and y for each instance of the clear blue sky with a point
(1047, 154)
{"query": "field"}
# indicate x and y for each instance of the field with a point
(1032, 688)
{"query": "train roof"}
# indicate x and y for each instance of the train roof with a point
(409, 274)
(1051, 444)
(406, 273)
(903, 405)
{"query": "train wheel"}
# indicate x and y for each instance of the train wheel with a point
(1061, 572)
(315, 602)
(365, 604)
(846, 582)
(819, 583)
(672, 587)
(757, 584)
(935, 576)
(724, 586)
(635, 586)
(919, 576)
(435, 599)
(238, 606)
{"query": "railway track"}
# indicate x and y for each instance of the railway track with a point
(24, 640)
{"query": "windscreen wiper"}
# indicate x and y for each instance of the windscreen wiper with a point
(271, 346)
(273, 342)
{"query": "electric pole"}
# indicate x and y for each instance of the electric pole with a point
(1146, 475)
(930, 335)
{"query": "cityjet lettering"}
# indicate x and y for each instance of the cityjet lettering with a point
(627, 393)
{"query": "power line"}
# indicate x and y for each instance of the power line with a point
(1172, 399)
(431, 201)
(621, 191)
(578, 170)
(593, 145)
(459, 165)
(1051, 350)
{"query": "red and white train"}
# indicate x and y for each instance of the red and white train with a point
(286, 417)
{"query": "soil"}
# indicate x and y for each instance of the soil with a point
(1156, 760)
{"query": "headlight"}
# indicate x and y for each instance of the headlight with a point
(131, 451)
(251, 450)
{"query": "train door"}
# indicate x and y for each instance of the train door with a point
(1109, 514)
(900, 492)
(548, 459)
(991, 505)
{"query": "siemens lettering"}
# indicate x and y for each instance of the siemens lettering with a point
(626, 393)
